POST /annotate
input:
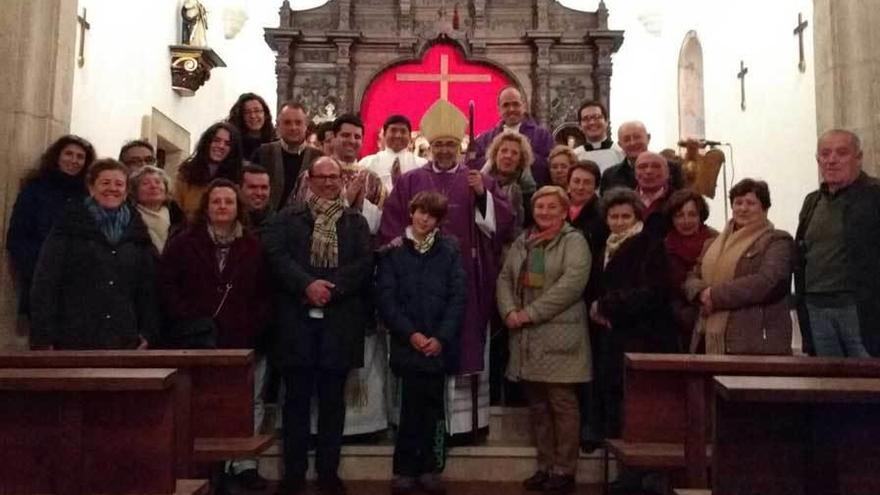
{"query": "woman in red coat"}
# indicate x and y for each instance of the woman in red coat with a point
(215, 272)
(213, 276)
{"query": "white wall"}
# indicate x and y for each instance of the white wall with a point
(774, 139)
(127, 68)
(127, 73)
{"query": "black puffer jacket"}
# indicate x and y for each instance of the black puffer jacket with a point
(90, 294)
(422, 293)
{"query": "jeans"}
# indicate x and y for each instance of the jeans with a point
(836, 331)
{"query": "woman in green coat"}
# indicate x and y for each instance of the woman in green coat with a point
(540, 296)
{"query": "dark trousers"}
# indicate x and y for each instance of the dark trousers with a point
(590, 393)
(301, 384)
(421, 436)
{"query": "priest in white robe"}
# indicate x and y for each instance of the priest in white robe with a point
(395, 159)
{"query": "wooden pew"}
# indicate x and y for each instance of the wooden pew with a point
(221, 402)
(76, 431)
(667, 401)
(796, 435)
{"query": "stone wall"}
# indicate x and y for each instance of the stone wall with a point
(847, 51)
(37, 46)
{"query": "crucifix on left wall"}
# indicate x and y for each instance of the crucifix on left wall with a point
(83, 27)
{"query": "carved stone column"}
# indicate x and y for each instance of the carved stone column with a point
(602, 72)
(283, 73)
(405, 18)
(541, 104)
(343, 75)
(543, 15)
(344, 15)
(847, 61)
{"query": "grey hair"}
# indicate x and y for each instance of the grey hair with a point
(854, 138)
(134, 180)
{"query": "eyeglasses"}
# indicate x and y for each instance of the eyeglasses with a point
(256, 111)
(150, 160)
(324, 177)
(592, 118)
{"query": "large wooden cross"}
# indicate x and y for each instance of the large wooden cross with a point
(799, 32)
(743, 70)
(444, 77)
(83, 27)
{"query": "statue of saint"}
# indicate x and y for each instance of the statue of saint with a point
(194, 29)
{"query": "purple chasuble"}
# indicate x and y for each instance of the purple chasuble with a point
(479, 253)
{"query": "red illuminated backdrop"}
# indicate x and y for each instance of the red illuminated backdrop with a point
(409, 89)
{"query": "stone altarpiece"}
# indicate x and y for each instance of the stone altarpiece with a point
(326, 57)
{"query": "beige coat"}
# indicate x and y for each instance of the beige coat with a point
(555, 347)
(757, 297)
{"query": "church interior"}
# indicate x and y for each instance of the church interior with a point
(745, 87)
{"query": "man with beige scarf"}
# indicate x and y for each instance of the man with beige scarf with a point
(319, 251)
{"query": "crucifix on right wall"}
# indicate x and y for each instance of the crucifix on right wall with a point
(743, 70)
(799, 32)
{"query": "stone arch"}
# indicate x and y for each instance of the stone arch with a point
(691, 106)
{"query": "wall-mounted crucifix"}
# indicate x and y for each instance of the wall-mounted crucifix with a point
(799, 32)
(83, 27)
(743, 70)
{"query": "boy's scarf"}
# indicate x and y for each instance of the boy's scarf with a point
(325, 242)
(111, 223)
(616, 240)
(719, 266)
(425, 244)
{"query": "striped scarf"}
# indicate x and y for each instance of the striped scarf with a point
(325, 241)
(112, 223)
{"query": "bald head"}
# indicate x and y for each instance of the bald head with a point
(633, 138)
(839, 155)
(652, 171)
(511, 106)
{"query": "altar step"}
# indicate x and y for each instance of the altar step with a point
(506, 456)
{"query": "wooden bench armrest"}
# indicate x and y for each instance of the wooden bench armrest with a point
(192, 487)
(221, 449)
(649, 455)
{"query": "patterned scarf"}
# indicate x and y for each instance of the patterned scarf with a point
(532, 271)
(223, 242)
(616, 240)
(719, 266)
(425, 244)
(112, 223)
(325, 242)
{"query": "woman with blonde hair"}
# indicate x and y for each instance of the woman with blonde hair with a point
(540, 297)
(509, 158)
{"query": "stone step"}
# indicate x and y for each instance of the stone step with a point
(510, 425)
(490, 462)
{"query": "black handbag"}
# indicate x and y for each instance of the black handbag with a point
(197, 333)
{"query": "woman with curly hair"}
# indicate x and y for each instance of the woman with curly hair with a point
(251, 115)
(58, 177)
(217, 156)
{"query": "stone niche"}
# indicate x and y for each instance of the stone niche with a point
(326, 57)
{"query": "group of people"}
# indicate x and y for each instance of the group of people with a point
(535, 263)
